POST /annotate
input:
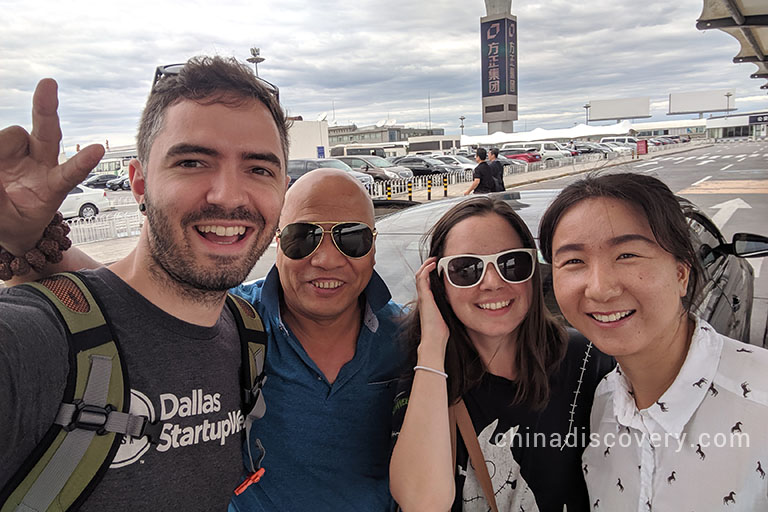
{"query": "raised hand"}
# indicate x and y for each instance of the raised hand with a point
(32, 183)
(434, 331)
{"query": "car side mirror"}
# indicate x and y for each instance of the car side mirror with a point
(748, 245)
(365, 167)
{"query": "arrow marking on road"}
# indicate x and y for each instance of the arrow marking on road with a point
(726, 211)
(727, 167)
(702, 180)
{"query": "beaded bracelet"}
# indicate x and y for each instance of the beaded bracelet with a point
(48, 249)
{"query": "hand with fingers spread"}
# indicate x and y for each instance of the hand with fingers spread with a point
(32, 183)
(434, 330)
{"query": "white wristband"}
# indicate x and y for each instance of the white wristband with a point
(431, 370)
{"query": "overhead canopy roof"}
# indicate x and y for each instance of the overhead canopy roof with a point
(747, 21)
(577, 132)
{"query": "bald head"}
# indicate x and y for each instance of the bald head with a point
(327, 195)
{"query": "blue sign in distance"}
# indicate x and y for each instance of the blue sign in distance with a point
(499, 57)
(320, 151)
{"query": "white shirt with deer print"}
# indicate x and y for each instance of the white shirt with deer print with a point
(703, 446)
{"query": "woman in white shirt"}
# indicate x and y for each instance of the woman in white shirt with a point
(682, 423)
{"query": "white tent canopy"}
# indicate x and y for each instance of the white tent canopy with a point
(577, 132)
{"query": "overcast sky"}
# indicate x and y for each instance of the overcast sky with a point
(371, 59)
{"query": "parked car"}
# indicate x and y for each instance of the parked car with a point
(525, 154)
(590, 148)
(619, 148)
(121, 182)
(571, 150)
(84, 202)
(424, 165)
(727, 291)
(98, 180)
(546, 148)
(630, 141)
(519, 165)
(457, 161)
(376, 167)
(299, 167)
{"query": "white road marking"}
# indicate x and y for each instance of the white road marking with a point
(646, 164)
(702, 180)
(705, 162)
(741, 159)
(727, 156)
(756, 264)
(726, 210)
(726, 167)
(653, 169)
(703, 157)
(740, 156)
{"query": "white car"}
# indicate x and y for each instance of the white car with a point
(546, 148)
(84, 202)
(458, 161)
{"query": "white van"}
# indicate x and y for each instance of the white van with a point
(546, 148)
(629, 141)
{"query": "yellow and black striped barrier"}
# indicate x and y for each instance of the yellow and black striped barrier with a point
(389, 192)
(445, 185)
(429, 189)
(410, 191)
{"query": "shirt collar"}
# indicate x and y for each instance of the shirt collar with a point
(681, 400)
(376, 295)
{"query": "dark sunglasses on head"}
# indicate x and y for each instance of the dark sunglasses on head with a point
(175, 69)
(301, 239)
(467, 270)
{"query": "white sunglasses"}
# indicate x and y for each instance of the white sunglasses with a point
(467, 270)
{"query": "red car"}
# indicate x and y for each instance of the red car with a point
(525, 154)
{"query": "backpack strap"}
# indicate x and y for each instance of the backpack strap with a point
(77, 450)
(253, 341)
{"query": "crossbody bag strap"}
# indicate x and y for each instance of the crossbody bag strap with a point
(476, 457)
(452, 423)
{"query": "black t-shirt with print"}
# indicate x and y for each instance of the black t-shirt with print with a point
(535, 472)
(184, 376)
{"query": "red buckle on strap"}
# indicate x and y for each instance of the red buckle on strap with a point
(252, 479)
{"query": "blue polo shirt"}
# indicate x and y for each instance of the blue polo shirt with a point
(327, 445)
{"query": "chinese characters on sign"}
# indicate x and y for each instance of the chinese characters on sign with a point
(499, 57)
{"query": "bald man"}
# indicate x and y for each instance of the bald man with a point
(332, 358)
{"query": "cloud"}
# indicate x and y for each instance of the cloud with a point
(366, 60)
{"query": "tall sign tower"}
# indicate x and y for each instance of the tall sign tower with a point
(498, 37)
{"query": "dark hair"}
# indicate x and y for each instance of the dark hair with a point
(663, 211)
(541, 341)
(495, 151)
(206, 80)
(481, 153)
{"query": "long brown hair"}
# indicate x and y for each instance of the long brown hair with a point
(541, 341)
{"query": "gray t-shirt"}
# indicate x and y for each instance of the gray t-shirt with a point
(183, 375)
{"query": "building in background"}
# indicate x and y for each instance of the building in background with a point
(379, 133)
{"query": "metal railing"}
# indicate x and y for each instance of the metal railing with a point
(105, 226)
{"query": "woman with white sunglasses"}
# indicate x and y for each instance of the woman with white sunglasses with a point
(488, 357)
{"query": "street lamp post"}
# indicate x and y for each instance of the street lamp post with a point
(462, 118)
(255, 59)
(728, 103)
(586, 113)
